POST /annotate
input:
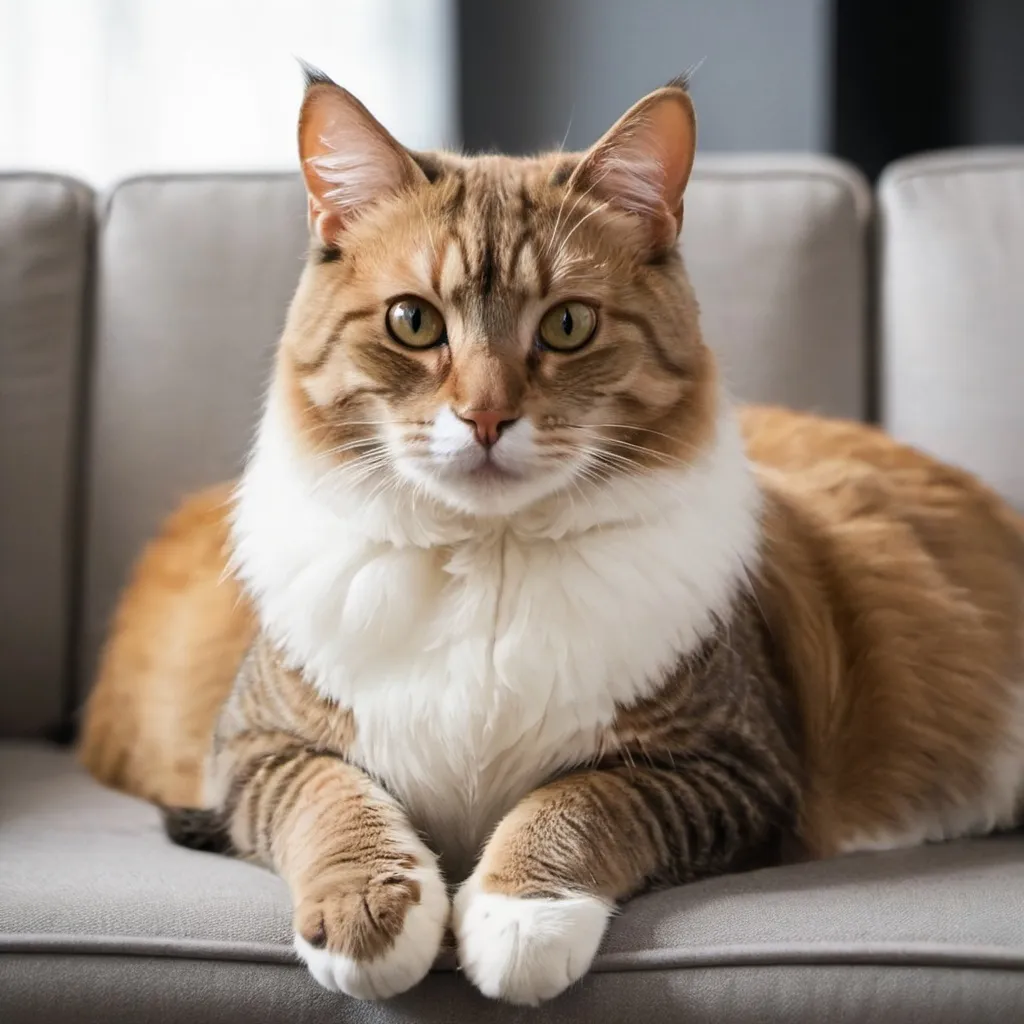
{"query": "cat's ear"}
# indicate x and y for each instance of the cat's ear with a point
(642, 164)
(349, 160)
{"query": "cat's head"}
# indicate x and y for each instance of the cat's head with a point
(491, 330)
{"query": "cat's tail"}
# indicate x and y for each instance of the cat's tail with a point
(198, 828)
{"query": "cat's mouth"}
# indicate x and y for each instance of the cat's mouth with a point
(484, 470)
(488, 468)
(488, 482)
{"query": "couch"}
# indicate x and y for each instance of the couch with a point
(135, 336)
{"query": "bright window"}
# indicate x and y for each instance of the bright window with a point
(102, 89)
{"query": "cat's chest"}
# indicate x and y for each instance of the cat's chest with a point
(478, 672)
(497, 683)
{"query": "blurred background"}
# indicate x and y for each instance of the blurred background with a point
(103, 89)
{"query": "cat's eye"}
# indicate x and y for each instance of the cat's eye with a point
(568, 326)
(415, 323)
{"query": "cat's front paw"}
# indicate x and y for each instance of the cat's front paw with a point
(375, 940)
(525, 950)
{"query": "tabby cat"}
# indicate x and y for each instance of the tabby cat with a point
(524, 606)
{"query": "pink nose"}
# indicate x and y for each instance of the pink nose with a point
(488, 424)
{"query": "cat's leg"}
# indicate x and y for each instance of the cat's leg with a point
(370, 905)
(530, 918)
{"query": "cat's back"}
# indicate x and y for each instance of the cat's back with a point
(894, 584)
(855, 481)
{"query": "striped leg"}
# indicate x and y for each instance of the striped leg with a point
(370, 904)
(531, 917)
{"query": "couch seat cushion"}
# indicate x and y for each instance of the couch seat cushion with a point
(102, 918)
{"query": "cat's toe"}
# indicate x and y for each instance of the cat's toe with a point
(376, 942)
(526, 950)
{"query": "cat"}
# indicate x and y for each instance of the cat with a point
(522, 604)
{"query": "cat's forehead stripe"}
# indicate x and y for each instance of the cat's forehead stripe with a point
(497, 244)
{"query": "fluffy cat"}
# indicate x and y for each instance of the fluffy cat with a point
(524, 606)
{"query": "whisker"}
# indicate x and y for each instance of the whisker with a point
(576, 227)
(579, 198)
(624, 426)
(368, 442)
(662, 456)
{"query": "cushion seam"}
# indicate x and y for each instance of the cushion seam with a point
(921, 954)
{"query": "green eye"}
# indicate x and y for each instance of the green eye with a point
(415, 323)
(568, 326)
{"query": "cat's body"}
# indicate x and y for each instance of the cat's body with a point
(558, 609)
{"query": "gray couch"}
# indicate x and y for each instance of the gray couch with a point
(135, 334)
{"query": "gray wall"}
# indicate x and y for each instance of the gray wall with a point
(990, 69)
(533, 69)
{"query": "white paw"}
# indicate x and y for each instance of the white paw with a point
(409, 955)
(526, 950)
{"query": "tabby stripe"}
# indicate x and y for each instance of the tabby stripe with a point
(540, 257)
(682, 817)
(487, 267)
(643, 325)
(282, 812)
(243, 794)
(745, 777)
(282, 787)
(342, 856)
(349, 318)
(647, 818)
(724, 838)
(548, 872)
(340, 404)
(655, 811)
(517, 251)
(452, 205)
(746, 811)
(695, 831)
(460, 243)
(255, 791)
(526, 203)
(242, 776)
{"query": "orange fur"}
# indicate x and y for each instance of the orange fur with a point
(177, 639)
(895, 586)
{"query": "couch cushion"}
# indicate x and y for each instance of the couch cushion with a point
(194, 276)
(45, 231)
(100, 916)
(195, 273)
(952, 309)
(777, 249)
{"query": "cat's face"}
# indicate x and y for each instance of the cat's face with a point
(492, 330)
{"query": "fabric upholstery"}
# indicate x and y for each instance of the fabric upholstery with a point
(777, 249)
(195, 274)
(100, 915)
(45, 232)
(193, 280)
(952, 309)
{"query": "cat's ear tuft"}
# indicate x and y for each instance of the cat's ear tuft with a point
(349, 159)
(312, 75)
(642, 164)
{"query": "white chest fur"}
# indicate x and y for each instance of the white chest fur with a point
(479, 657)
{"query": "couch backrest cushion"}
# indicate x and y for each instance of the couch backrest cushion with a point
(952, 310)
(195, 273)
(777, 249)
(45, 234)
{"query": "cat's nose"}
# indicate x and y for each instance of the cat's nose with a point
(488, 424)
